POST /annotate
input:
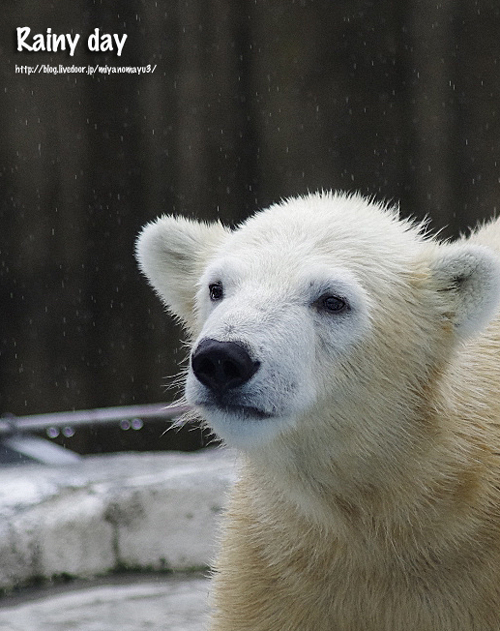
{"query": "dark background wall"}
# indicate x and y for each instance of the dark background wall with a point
(249, 102)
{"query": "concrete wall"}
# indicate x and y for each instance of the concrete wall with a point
(109, 513)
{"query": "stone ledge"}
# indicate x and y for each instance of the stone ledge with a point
(126, 602)
(154, 511)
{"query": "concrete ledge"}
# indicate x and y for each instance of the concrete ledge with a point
(176, 603)
(154, 511)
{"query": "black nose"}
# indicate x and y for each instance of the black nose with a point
(222, 365)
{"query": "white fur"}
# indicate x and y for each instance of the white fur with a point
(276, 265)
(469, 275)
(370, 487)
(171, 253)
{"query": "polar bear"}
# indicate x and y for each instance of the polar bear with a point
(354, 362)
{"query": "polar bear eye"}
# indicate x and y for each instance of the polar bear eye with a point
(333, 304)
(216, 291)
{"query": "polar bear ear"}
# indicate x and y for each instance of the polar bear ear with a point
(468, 279)
(172, 253)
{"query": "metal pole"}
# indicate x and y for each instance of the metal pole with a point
(78, 418)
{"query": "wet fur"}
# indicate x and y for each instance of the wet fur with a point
(379, 508)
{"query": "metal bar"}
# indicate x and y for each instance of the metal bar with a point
(41, 422)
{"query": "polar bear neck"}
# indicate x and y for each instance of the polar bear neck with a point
(433, 483)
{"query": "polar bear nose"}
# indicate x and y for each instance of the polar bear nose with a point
(222, 365)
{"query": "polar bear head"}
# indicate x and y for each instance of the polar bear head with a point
(314, 312)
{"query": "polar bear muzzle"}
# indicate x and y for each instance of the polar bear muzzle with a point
(222, 366)
(223, 371)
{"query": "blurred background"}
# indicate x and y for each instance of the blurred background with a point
(250, 101)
